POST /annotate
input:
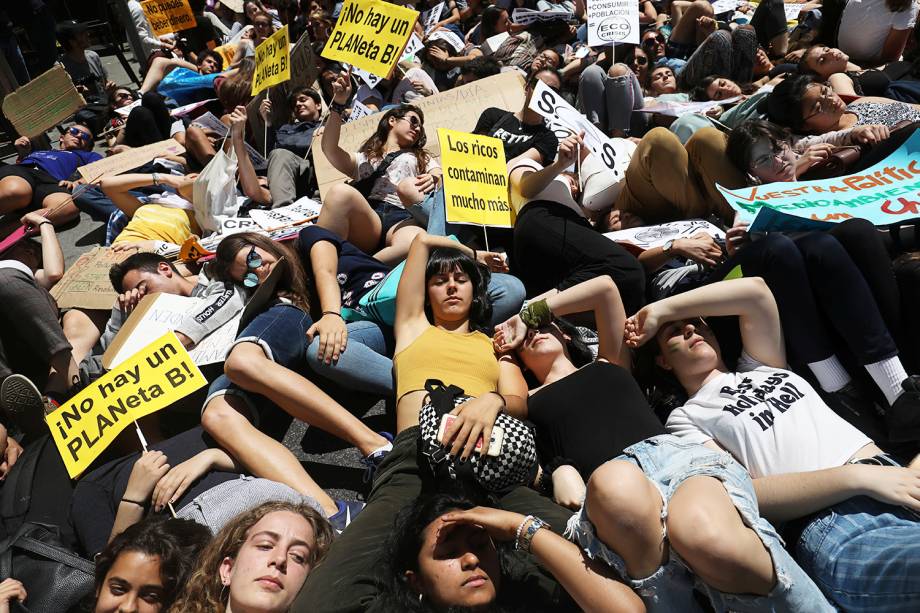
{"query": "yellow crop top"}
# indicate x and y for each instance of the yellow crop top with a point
(465, 360)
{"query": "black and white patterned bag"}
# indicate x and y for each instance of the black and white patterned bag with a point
(515, 465)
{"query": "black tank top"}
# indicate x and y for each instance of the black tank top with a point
(590, 416)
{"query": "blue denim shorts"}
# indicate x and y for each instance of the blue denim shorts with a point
(668, 462)
(281, 332)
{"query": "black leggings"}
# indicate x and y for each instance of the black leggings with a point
(554, 247)
(148, 123)
(814, 280)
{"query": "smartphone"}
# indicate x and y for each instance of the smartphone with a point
(495, 442)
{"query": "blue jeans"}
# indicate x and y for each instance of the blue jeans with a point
(366, 366)
(281, 332)
(865, 555)
(668, 462)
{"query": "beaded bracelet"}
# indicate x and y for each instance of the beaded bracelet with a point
(517, 534)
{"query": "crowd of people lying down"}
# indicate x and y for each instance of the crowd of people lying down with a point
(725, 420)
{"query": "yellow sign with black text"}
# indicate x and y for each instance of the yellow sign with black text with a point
(167, 16)
(475, 179)
(273, 61)
(371, 34)
(152, 379)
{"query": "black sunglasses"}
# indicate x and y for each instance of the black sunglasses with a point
(253, 261)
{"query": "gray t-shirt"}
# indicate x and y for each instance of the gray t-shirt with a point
(90, 74)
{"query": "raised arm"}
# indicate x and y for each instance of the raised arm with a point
(249, 181)
(342, 160)
(750, 299)
(52, 257)
(532, 182)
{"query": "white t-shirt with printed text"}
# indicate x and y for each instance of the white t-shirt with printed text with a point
(770, 419)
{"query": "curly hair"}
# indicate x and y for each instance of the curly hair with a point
(373, 147)
(294, 284)
(204, 592)
(176, 542)
(739, 147)
(445, 259)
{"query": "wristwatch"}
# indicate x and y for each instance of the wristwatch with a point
(666, 248)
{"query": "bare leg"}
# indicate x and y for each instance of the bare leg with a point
(198, 145)
(262, 455)
(159, 68)
(63, 373)
(15, 194)
(704, 527)
(625, 508)
(247, 367)
(346, 213)
(399, 241)
(83, 328)
(60, 207)
(687, 30)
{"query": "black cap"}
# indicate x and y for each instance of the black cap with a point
(71, 27)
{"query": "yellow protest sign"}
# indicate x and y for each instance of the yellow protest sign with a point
(167, 16)
(475, 179)
(371, 34)
(226, 53)
(273, 61)
(155, 377)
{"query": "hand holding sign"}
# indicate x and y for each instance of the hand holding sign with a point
(569, 149)
(342, 87)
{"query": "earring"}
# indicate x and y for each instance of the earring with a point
(420, 596)
(222, 591)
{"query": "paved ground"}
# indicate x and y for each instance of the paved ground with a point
(330, 461)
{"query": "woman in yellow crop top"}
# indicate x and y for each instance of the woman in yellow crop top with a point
(441, 311)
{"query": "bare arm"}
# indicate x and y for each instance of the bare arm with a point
(249, 181)
(324, 261)
(52, 257)
(750, 299)
(117, 188)
(342, 160)
(532, 182)
(894, 46)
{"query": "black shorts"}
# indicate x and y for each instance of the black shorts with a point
(390, 215)
(42, 184)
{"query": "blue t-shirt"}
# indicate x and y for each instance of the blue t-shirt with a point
(60, 164)
(358, 273)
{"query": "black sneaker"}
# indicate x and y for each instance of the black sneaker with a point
(23, 404)
(858, 409)
(903, 418)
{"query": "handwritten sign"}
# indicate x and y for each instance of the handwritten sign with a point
(299, 212)
(885, 194)
(86, 284)
(649, 237)
(475, 179)
(155, 377)
(525, 17)
(450, 38)
(167, 16)
(613, 21)
(564, 120)
(132, 158)
(358, 111)
(43, 102)
(371, 34)
(273, 61)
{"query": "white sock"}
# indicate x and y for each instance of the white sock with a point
(387, 447)
(830, 373)
(888, 376)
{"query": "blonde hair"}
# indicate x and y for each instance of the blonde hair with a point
(205, 593)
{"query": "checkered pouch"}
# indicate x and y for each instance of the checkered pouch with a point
(515, 465)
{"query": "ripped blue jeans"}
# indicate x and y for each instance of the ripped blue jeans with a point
(668, 461)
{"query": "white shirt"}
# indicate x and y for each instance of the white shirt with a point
(557, 191)
(865, 25)
(404, 166)
(770, 419)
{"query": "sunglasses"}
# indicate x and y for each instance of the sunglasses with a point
(413, 121)
(253, 261)
(640, 60)
(78, 133)
(653, 40)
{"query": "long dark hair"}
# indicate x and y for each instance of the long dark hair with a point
(294, 283)
(897, 6)
(490, 18)
(373, 147)
(784, 103)
(176, 542)
(404, 544)
(445, 259)
(700, 93)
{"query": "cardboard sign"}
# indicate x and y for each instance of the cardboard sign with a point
(132, 158)
(167, 16)
(475, 179)
(564, 119)
(157, 314)
(613, 21)
(86, 284)
(273, 61)
(641, 239)
(886, 193)
(300, 212)
(430, 18)
(371, 34)
(43, 102)
(456, 109)
(152, 379)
